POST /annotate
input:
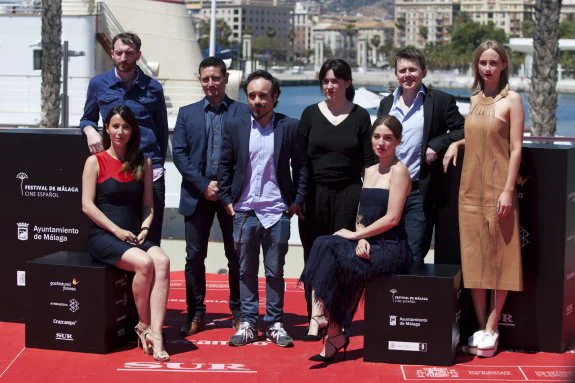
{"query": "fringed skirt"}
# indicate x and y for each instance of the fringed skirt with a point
(338, 276)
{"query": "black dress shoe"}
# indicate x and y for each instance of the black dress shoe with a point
(321, 331)
(321, 358)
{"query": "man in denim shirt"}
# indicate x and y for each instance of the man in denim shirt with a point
(127, 85)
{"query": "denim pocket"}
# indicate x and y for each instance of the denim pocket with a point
(107, 98)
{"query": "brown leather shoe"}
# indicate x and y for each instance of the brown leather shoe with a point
(193, 326)
(236, 323)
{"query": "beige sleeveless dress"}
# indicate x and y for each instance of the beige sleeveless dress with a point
(490, 250)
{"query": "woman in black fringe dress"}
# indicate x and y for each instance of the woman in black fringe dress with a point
(340, 265)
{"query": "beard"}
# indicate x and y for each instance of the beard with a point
(259, 112)
(124, 67)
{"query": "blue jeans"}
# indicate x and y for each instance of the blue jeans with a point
(249, 235)
(418, 226)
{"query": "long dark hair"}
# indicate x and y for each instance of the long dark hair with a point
(134, 162)
(341, 70)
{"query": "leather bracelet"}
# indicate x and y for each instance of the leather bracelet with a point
(144, 228)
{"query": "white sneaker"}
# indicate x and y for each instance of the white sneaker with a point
(487, 346)
(472, 342)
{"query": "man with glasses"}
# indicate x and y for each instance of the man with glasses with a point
(127, 85)
(196, 152)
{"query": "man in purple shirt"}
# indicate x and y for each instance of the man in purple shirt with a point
(259, 191)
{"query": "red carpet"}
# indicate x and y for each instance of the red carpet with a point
(206, 357)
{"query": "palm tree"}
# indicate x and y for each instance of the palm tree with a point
(51, 62)
(400, 26)
(543, 92)
(271, 33)
(350, 32)
(423, 33)
(291, 38)
(375, 41)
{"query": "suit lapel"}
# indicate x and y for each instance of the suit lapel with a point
(244, 127)
(200, 132)
(387, 105)
(427, 116)
(278, 139)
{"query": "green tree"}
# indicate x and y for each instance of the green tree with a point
(291, 38)
(51, 63)
(223, 33)
(528, 28)
(543, 91)
(400, 26)
(350, 32)
(467, 35)
(567, 58)
(423, 33)
(375, 41)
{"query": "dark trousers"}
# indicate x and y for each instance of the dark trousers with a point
(419, 221)
(155, 232)
(326, 210)
(197, 227)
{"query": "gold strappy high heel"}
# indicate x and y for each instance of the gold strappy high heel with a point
(142, 341)
(159, 355)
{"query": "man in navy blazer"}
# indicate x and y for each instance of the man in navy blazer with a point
(262, 183)
(196, 151)
(431, 121)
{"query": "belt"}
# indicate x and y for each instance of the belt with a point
(414, 185)
(252, 213)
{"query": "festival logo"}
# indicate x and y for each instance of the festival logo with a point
(396, 298)
(42, 191)
(22, 176)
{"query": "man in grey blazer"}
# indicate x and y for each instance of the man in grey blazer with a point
(431, 121)
(262, 183)
(196, 151)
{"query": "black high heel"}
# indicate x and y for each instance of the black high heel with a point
(321, 331)
(321, 358)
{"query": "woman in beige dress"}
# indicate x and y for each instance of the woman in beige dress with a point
(488, 211)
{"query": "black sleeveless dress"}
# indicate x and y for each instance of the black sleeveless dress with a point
(338, 276)
(119, 197)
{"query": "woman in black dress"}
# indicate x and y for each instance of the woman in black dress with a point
(117, 196)
(337, 134)
(340, 265)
